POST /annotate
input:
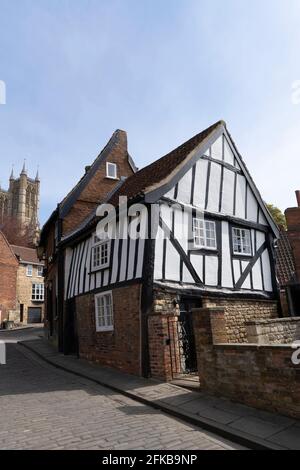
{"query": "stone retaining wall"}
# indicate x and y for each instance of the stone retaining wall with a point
(239, 311)
(274, 331)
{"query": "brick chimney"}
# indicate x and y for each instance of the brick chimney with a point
(293, 224)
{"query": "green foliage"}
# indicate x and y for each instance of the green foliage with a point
(277, 215)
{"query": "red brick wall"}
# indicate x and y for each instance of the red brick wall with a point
(159, 349)
(121, 347)
(99, 186)
(8, 278)
(50, 245)
(260, 376)
(50, 282)
(163, 336)
(293, 223)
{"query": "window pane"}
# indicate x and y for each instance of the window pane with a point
(205, 234)
(104, 313)
(38, 291)
(241, 241)
(101, 255)
(112, 170)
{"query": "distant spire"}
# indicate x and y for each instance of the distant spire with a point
(24, 171)
(37, 178)
(12, 173)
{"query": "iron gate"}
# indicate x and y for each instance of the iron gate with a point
(182, 342)
(186, 340)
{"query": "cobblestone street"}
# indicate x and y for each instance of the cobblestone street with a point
(44, 408)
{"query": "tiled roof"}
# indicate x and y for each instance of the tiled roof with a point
(154, 173)
(27, 255)
(285, 265)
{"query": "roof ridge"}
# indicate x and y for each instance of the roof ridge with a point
(208, 130)
(171, 160)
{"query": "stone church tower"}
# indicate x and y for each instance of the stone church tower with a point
(21, 200)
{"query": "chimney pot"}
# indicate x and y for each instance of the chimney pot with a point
(298, 197)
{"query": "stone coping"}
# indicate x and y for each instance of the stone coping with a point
(273, 320)
(208, 309)
(254, 346)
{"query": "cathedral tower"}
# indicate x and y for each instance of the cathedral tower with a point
(21, 200)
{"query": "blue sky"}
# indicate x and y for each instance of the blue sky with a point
(162, 70)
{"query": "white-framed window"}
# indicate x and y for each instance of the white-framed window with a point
(104, 311)
(241, 240)
(29, 270)
(40, 271)
(37, 293)
(100, 253)
(111, 170)
(204, 234)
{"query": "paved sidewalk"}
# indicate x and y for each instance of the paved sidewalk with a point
(24, 333)
(247, 426)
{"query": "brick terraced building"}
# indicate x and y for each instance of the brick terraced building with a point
(8, 279)
(126, 302)
(30, 286)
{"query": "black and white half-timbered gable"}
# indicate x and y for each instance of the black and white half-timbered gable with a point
(210, 240)
(221, 236)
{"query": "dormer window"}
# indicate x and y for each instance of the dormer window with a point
(111, 170)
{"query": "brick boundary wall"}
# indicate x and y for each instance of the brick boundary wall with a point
(260, 376)
(274, 331)
(164, 346)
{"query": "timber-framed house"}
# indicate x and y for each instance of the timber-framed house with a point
(128, 301)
